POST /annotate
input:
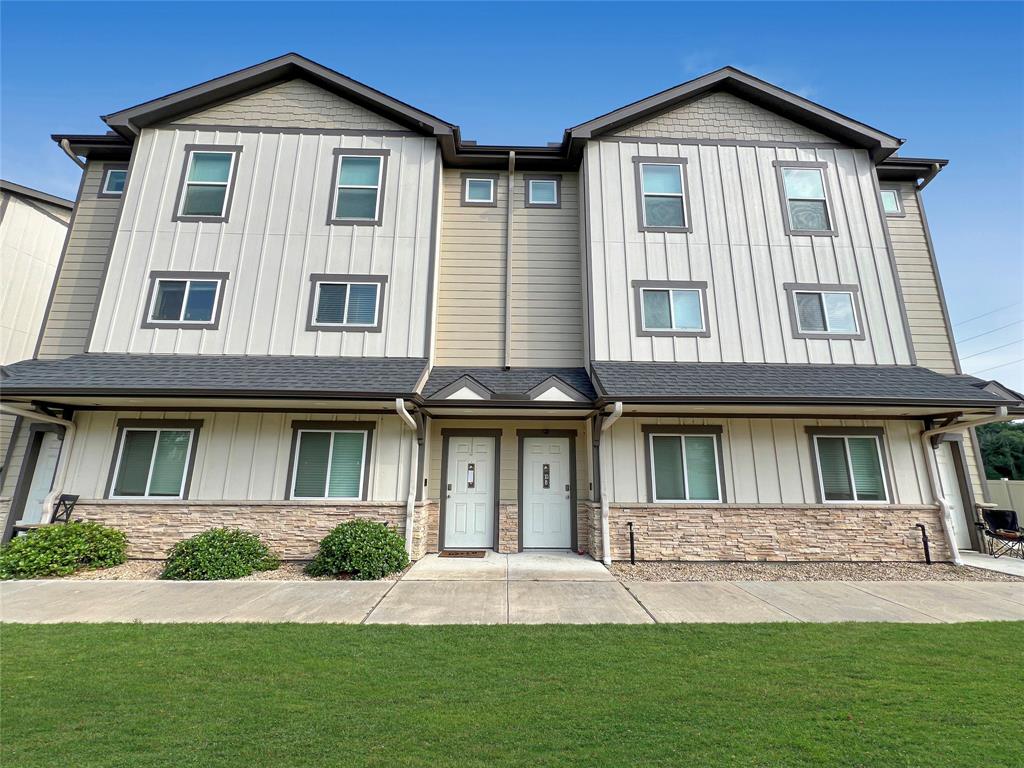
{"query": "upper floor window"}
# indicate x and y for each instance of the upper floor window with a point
(684, 463)
(892, 202)
(329, 460)
(346, 302)
(849, 464)
(543, 191)
(824, 311)
(480, 189)
(661, 194)
(115, 176)
(153, 459)
(671, 308)
(806, 197)
(359, 186)
(185, 299)
(207, 183)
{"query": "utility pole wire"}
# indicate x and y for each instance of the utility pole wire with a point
(986, 333)
(1001, 365)
(993, 349)
(990, 312)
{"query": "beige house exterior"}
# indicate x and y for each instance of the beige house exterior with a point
(712, 318)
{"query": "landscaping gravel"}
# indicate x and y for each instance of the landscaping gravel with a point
(676, 571)
(147, 570)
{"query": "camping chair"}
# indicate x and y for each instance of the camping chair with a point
(1003, 532)
(62, 510)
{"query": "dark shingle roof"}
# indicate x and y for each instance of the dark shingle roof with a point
(783, 384)
(514, 381)
(213, 375)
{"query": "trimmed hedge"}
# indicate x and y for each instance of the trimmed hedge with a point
(220, 553)
(60, 550)
(360, 548)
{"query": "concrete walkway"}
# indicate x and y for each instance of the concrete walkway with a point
(529, 588)
(1005, 564)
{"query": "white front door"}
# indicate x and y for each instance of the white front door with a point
(546, 502)
(469, 494)
(951, 490)
(42, 477)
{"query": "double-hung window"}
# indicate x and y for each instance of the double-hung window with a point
(114, 179)
(661, 194)
(824, 311)
(358, 186)
(684, 464)
(329, 461)
(671, 308)
(185, 299)
(850, 467)
(153, 461)
(805, 194)
(892, 202)
(206, 183)
(479, 189)
(346, 302)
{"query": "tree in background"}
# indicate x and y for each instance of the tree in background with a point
(1002, 450)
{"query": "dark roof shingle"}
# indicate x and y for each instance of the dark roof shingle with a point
(514, 381)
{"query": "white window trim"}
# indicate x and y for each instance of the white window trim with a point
(106, 181)
(345, 321)
(152, 460)
(672, 310)
(829, 224)
(829, 331)
(491, 186)
(552, 182)
(899, 201)
(686, 475)
(681, 195)
(184, 302)
(849, 469)
(226, 184)
(330, 460)
(338, 186)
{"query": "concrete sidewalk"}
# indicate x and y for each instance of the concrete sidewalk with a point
(508, 591)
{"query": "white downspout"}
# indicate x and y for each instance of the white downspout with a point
(933, 470)
(66, 146)
(60, 473)
(606, 545)
(410, 502)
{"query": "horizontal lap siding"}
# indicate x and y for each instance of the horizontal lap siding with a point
(739, 247)
(240, 456)
(276, 237)
(767, 461)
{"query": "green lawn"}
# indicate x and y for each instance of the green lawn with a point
(291, 695)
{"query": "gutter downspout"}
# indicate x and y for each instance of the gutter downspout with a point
(66, 146)
(606, 545)
(933, 469)
(928, 179)
(508, 258)
(60, 473)
(417, 439)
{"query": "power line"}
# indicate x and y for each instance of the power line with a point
(993, 349)
(1001, 365)
(979, 316)
(986, 333)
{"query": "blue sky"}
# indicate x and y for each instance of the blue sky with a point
(949, 77)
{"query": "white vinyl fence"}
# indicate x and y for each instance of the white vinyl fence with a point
(1008, 494)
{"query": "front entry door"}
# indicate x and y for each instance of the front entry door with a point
(547, 495)
(469, 493)
(951, 490)
(42, 476)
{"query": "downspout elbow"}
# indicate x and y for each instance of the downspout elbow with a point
(66, 146)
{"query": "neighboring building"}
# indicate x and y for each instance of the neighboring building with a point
(33, 227)
(714, 314)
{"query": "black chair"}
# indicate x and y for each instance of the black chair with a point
(62, 510)
(1002, 529)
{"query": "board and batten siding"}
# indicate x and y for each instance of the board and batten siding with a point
(240, 456)
(739, 246)
(80, 273)
(547, 296)
(276, 237)
(767, 461)
(32, 235)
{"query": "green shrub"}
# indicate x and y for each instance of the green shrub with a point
(220, 553)
(362, 548)
(59, 550)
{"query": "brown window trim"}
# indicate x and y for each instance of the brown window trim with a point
(693, 285)
(640, 160)
(465, 177)
(326, 277)
(683, 429)
(555, 177)
(106, 168)
(195, 425)
(792, 289)
(877, 432)
(236, 150)
(352, 426)
(210, 325)
(332, 198)
(780, 165)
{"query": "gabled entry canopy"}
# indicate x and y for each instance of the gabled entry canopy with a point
(826, 121)
(128, 122)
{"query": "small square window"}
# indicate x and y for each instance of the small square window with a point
(892, 202)
(805, 196)
(346, 302)
(205, 193)
(113, 182)
(359, 187)
(824, 311)
(184, 299)
(542, 193)
(479, 191)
